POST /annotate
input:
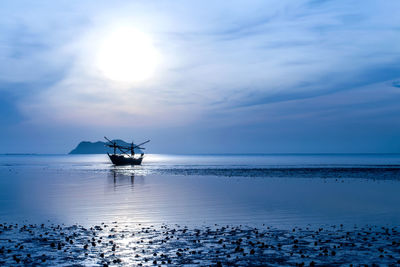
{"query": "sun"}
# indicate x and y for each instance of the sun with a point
(127, 55)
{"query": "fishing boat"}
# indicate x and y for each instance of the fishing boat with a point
(126, 155)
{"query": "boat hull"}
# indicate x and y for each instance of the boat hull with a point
(119, 160)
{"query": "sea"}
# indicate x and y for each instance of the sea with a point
(279, 190)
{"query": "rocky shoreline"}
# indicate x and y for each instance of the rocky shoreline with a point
(136, 244)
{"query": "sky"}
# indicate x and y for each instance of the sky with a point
(298, 76)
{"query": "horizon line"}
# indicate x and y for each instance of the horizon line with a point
(216, 154)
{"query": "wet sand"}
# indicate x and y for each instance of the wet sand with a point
(137, 244)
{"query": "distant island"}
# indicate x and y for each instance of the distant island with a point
(86, 147)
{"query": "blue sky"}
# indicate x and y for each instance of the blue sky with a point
(305, 76)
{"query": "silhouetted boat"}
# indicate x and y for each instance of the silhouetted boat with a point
(125, 158)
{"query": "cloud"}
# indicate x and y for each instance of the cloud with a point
(230, 63)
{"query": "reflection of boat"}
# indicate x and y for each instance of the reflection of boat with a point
(125, 158)
(122, 177)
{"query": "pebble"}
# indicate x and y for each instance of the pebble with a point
(210, 245)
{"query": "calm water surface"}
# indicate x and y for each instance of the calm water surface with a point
(278, 190)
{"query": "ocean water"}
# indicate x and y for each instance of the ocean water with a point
(276, 190)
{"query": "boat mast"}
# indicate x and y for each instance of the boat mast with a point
(125, 149)
(132, 149)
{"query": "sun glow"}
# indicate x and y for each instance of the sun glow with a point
(127, 55)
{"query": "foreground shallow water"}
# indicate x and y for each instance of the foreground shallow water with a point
(200, 210)
(200, 190)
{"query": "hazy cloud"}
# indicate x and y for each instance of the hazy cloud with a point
(251, 66)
